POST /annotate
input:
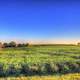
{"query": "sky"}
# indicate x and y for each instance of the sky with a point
(40, 20)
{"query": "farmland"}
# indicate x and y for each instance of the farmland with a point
(47, 60)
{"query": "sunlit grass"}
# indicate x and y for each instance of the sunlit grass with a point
(63, 77)
(53, 58)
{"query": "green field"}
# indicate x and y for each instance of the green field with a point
(40, 54)
(40, 60)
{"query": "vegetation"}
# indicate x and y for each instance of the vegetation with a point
(63, 77)
(13, 44)
(39, 60)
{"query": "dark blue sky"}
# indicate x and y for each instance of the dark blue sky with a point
(39, 19)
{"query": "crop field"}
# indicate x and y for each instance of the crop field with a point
(59, 61)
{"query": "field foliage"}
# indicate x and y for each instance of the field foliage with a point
(39, 60)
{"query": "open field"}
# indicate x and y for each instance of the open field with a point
(40, 54)
(40, 61)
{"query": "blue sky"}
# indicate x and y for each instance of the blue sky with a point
(39, 19)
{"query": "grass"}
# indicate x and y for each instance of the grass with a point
(63, 77)
(40, 54)
(40, 60)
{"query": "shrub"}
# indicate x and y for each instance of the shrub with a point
(54, 68)
(2, 73)
(35, 69)
(11, 70)
(46, 69)
(78, 62)
(49, 68)
(25, 69)
(74, 67)
(60, 66)
(63, 68)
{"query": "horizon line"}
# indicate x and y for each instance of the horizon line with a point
(43, 41)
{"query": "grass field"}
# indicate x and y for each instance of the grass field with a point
(40, 61)
(40, 54)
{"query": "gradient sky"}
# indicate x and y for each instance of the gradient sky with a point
(39, 19)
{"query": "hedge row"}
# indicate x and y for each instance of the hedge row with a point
(36, 69)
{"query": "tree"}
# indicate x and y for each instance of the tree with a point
(5, 45)
(12, 44)
(27, 44)
(23, 45)
(19, 45)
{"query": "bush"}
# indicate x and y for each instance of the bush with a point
(2, 73)
(78, 62)
(46, 69)
(25, 69)
(63, 68)
(35, 69)
(54, 68)
(11, 70)
(73, 66)
(60, 66)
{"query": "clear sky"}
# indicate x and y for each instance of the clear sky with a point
(40, 19)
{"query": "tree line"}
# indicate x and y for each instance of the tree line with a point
(13, 44)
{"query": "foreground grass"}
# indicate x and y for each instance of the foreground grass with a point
(63, 77)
